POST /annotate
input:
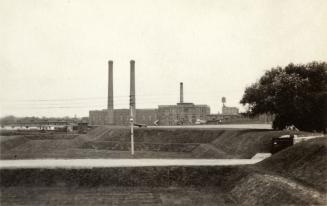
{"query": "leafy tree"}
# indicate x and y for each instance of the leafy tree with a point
(296, 95)
(8, 120)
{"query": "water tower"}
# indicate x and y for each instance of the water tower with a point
(223, 100)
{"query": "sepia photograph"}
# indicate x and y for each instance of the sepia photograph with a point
(163, 103)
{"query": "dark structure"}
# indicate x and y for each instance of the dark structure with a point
(280, 143)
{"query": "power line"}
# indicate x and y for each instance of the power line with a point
(115, 97)
(160, 100)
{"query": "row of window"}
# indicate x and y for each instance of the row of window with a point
(143, 118)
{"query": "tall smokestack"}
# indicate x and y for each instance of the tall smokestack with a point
(110, 87)
(132, 87)
(109, 119)
(181, 92)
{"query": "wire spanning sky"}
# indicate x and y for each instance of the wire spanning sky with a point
(53, 56)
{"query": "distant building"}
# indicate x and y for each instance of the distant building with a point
(41, 125)
(182, 113)
(146, 116)
(222, 118)
(214, 118)
(99, 117)
(111, 116)
(228, 114)
(122, 117)
(179, 114)
(230, 110)
(143, 116)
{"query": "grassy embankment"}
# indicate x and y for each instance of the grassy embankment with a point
(104, 142)
(296, 175)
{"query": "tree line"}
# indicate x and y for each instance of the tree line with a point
(10, 120)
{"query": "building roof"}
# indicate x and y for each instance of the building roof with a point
(184, 104)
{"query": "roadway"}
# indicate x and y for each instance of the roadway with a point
(219, 126)
(105, 163)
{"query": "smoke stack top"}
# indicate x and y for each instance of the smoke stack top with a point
(181, 92)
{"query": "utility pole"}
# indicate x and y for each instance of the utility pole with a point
(132, 102)
(132, 132)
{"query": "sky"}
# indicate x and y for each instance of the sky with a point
(54, 54)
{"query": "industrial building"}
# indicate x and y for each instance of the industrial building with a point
(180, 114)
(230, 110)
(111, 116)
(41, 125)
(143, 116)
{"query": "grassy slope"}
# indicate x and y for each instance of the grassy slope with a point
(263, 189)
(104, 142)
(203, 143)
(297, 175)
(9, 142)
(305, 162)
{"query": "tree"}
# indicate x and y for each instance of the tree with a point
(7, 120)
(296, 95)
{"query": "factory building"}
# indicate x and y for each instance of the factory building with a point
(99, 117)
(182, 113)
(228, 114)
(230, 110)
(111, 116)
(144, 116)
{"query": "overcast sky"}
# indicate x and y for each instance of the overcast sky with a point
(53, 56)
